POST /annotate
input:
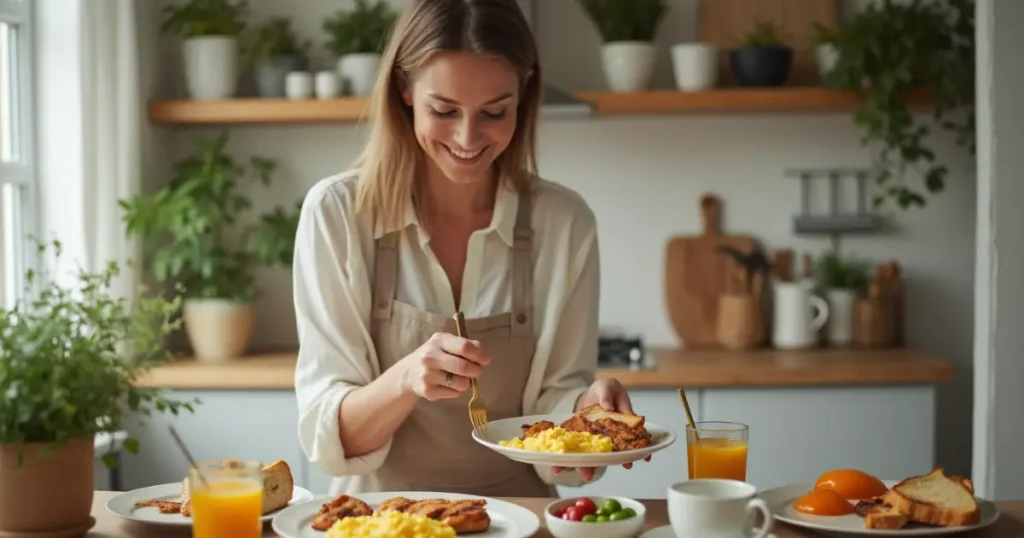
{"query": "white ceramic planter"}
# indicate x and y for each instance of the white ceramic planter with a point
(825, 58)
(218, 329)
(628, 65)
(695, 66)
(298, 85)
(359, 72)
(211, 66)
(841, 304)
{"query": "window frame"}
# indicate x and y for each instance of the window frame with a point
(21, 13)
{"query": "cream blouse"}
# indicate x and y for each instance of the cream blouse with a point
(332, 272)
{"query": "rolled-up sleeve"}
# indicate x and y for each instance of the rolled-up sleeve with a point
(572, 343)
(335, 350)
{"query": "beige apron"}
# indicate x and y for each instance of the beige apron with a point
(433, 450)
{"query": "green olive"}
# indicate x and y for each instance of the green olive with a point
(602, 518)
(628, 510)
(590, 518)
(619, 516)
(610, 506)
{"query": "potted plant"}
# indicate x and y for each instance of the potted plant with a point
(191, 230)
(273, 50)
(843, 280)
(890, 52)
(627, 29)
(69, 358)
(210, 50)
(763, 59)
(825, 51)
(356, 38)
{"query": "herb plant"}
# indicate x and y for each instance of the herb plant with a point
(273, 39)
(363, 29)
(835, 272)
(764, 34)
(626, 20)
(197, 18)
(70, 356)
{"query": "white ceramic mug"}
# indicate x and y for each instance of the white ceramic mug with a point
(298, 85)
(695, 66)
(716, 508)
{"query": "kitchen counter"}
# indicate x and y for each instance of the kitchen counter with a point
(665, 368)
(110, 526)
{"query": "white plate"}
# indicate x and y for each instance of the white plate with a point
(665, 531)
(123, 505)
(507, 520)
(508, 428)
(780, 501)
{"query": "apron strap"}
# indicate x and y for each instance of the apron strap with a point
(385, 275)
(522, 269)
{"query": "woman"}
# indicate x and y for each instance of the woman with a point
(443, 213)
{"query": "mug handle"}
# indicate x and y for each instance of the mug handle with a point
(821, 306)
(758, 505)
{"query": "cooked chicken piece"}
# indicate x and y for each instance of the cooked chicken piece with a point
(531, 430)
(463, 516)
(164, 507)
(340, 508)
(626, 431)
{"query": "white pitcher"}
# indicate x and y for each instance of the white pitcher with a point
(798, 315)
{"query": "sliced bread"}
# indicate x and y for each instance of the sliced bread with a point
(935, 499)
(878, 514)
(595, 412)
(278, 484)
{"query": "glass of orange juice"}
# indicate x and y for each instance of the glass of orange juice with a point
(227, 499)
(717, 450)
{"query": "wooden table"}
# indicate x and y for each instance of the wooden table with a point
(109, 526)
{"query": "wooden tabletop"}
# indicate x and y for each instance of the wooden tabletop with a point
(110, 526)
(668, 368)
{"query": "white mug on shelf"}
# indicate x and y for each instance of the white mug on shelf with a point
(716, 508)
(328, 86)
(695, 66)
(793, 325)
(298, 85)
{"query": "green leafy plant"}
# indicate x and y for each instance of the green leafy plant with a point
(70, 356)
(273, 39)
(835, 272)
(197, 18)
(192, 228)
(822, 35)
(626, 20)
(890, 51)
(763, 34)
(363, 29)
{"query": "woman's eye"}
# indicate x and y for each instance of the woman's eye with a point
(442, 113)
(495, 115)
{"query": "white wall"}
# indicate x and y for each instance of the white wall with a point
(643, 177)
(999, 297)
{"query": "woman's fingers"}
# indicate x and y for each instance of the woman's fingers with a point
(439, 378)
(471, 350)
(445, 362)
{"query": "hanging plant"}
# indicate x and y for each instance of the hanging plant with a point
(891, 52)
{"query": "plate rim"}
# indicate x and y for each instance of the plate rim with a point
(491, 501)
(924, 531)
(545, 458)
(299, 495)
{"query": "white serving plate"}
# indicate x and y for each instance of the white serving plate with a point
(509, 428)
(507, 520)
(780, 501)
(123, 505)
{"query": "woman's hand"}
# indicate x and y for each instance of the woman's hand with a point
(441, 367)
(610, 394)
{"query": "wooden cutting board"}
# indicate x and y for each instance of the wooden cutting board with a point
(696, 274)
(725, 23)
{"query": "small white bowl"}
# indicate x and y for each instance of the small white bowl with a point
(625, 528)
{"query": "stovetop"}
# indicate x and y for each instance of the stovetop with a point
(620, 350)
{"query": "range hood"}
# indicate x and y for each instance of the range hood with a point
(555, 101)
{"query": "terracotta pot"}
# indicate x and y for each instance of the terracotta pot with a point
(218, 329)
(50, 494)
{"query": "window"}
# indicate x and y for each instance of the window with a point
(17, 184)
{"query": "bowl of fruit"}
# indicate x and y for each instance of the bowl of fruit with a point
(594, 517)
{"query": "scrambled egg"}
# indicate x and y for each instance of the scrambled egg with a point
(560, 441)
(390, 524)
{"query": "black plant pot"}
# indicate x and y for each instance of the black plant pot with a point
(761, 66)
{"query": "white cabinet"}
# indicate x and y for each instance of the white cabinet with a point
(260, 425)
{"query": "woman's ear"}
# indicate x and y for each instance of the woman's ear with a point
(403, 87)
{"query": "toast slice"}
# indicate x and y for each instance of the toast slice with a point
(594, 413)
(935, 499)
(278, 484)
(879, 514)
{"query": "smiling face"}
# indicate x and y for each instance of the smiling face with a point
(464, 109)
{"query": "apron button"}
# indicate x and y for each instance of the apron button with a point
(382, 304)
(521, 318)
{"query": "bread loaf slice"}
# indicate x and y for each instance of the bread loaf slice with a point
(595, 412)
(878, 514)
(935, 499)
(278, 484)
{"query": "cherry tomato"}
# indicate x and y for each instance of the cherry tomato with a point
(573, 514)
(586, 506)
(558, 512)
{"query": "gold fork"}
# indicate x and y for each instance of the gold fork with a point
(477, 409)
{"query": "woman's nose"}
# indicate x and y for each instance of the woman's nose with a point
(467, 134)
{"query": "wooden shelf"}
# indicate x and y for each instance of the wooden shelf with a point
(351, 109)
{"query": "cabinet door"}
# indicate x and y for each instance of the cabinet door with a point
(797, 434)
(259, 425)
(649, 480)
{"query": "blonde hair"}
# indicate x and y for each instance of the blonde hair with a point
(392, 158)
